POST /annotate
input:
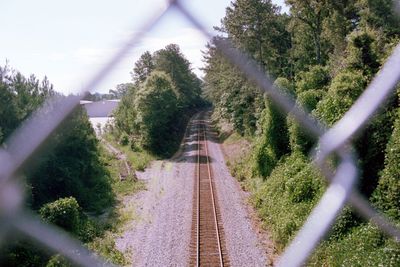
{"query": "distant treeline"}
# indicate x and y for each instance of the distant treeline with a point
(116, 93)
(156, 106)
(324, 53)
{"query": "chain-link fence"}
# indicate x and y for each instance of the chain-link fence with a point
(32, 138)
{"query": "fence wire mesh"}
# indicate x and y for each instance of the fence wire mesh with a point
(32, 138)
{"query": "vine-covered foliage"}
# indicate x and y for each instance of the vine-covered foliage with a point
(334, 50)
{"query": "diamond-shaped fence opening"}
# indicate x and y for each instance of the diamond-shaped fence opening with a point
(30, 139)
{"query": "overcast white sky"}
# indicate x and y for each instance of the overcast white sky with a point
(69, 40)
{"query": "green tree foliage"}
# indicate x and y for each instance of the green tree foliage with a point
(125, 115)
(317, 78)
(69, 175)
(156, 105)
(361, 63)
(143, 67)
(19, 97)
(153, 112)
(344, 90)
(287, 196)
(171, 61)
(379, 14)
(311, 14)
(234, 98)
(73, 168)
(58, 261)
(259, 28)
(362, 52)
(299, 138)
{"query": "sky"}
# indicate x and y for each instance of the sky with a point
(69, 41)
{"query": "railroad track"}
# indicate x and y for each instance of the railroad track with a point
(207, 246)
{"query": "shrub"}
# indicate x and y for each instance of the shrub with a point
(124, 140)
(105, 246)
(303, 186)
(58, 261)
(317, 78)
(63, 212)
(362, 246)
(346, 221)
(265, 160)
(88, 229)
(22, 253)
(286, 198)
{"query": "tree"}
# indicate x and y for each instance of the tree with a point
(156, 104)
(379, 14)
(143, 67)
(311, 13)
(120, 90)
(257, 27)
(171, 61)
(235, 99)
(72, 168)
(145, 120)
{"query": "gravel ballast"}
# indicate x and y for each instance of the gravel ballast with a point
(160, 233)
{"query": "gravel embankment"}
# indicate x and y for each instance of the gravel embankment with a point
(160, 234)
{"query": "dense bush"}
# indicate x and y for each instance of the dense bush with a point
(124, 139)
(317, 78)
(64, 212)
(272, 140)
(285, 199)
(22, 253)
(363, 52)
(362, 246)
(285, 86)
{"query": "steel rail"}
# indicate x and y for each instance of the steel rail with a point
(198, 199)
(221, 261)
